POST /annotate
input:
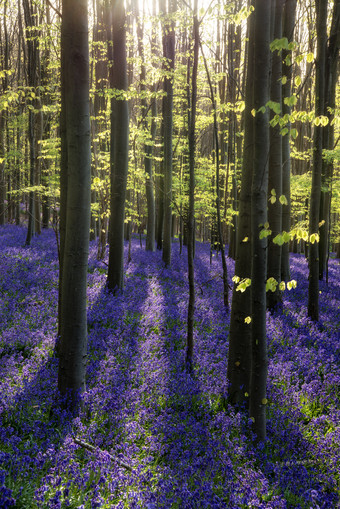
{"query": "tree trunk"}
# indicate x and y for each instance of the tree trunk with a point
(119, 150)
(274, 298)
(259, 361)
(148, 146)
(192, 104)
(169, 59)
(2, 167)
(331, 74)
(288, 31)
(75, 80)
(314, 211)
(240, 331)
(33, 73)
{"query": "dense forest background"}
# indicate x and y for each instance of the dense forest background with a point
(176, 166)
(31, 102)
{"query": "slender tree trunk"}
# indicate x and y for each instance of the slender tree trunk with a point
(2, 167)
(75, 80)
(217, 190)
(257, 402)
(239, 357)
(331, 74)
(274, 298)
(169, 58)
(63, 173)
(314, 211)
(288, 31)
(192, 105)
(33, 71)
(148, 146)
(119, 150)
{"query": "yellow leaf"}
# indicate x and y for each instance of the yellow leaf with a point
(264, 401)
(247, 319)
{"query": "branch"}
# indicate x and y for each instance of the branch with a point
(93, 449)
(54, 8)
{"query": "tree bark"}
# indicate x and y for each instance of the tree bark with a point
(119, 150)
(331, 76)
(274, 298)
(75, 80)
(239, 357)
(148, 146)
(192, 106)
(33, 74)
(259, 361)
(314, 211)
(288, 31)
(169, 58)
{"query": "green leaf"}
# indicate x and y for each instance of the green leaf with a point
(286, 236)
(278, 239)
(283, 200)
(290, 101)
(310, 57)
(293, 133)
(274, 106)
(271, 284)
(265, 233)
(297, 81)
(314, 238)
(291, 284)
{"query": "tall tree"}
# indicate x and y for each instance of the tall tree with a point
(192, 107)
(169, 63)
(148, 146)
(119, 151)
(4, 66)
(259, 361)
(274, 295)
(239, 357)
(314, 211)
(331, 74)
(34, 120)
(288, 31)
(75, 81)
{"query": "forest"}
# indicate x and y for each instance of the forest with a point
(169, 254)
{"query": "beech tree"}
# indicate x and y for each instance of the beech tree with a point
(192, 106)
(76, 199)
(259, 200)
(239, 357)
(169, 63)
(275, 165)
(288, 31)
(119, 151)
(328, 140)
(314, 212)
(148, 145)
(34, 114)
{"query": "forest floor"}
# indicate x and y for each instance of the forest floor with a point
(185, 447)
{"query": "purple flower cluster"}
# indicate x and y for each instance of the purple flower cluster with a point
(150, 435)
